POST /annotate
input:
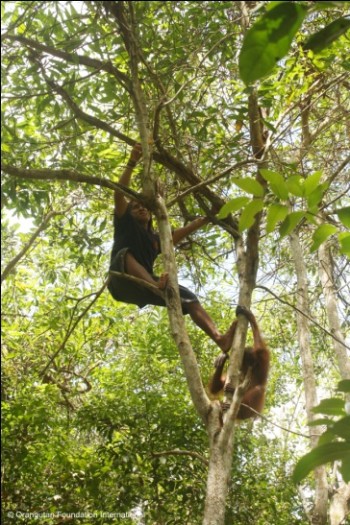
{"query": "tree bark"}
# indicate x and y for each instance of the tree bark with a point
(326, 272)
(340, 496)
(319, 513)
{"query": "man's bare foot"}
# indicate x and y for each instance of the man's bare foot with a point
(225, 341)
(163, 281)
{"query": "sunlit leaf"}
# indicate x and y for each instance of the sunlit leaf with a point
(344, 216)
(295, 185)
(232, 206)
(269, 40)
(250, 186)
(321, 234)
(344, 239)
(275, 214)
(311, 183)
(248, 214)
(290, 222)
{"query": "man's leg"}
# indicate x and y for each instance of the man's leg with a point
(134, 268)
(202, 319)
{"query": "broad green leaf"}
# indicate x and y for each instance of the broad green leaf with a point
(311, 183)
(344, 470)
(344, 216)
(290, 222)
(330, 407)
(295, 185)
(344, 386)
(314, 199)
(248, 214)
(276, 182)
(250, 186)
(319, 422)
(275, 214)
(341, 428)
(344, 239)
(319, 456)
(232, 206)
(326, 36)
(321, 234)
(269, 40)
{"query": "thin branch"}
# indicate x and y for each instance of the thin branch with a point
(11, 265)
(283, 301)
(264, 418)
(217, 177)
(73, 327)
(69, 175)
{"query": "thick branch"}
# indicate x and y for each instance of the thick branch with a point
(69, 175)
(140, 282)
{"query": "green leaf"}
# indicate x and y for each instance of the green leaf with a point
(342, 428)
(331, 407)
(248, 214)
(344, 216)
(321, 234)
(232, 206)
(326, 36)
(344, 239)
(275, 214)
(319, 456)
(344, 386)
(277, 183)
(249, 186)
(314, 199)
(311, 183)
(344, 470)
(269, 40)
(290, 222)
(319, 422)
(295, 185)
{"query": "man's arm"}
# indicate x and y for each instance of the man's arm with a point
(191, 227)
(120, 201)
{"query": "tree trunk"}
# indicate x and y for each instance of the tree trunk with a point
(219, 471)
(319, 514)
(329, 291)
(340, 497)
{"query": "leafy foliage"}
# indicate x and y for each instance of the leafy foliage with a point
(95, 406)
(334, 444)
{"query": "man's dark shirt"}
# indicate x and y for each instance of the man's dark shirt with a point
(143, 244)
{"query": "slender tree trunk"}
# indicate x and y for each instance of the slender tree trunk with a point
(340, 495)
(319, 514)
(326, 273)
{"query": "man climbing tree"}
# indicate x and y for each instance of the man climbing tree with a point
(135, 249)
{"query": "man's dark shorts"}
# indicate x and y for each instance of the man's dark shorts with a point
(124, 290)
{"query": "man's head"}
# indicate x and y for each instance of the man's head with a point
(140, 213)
